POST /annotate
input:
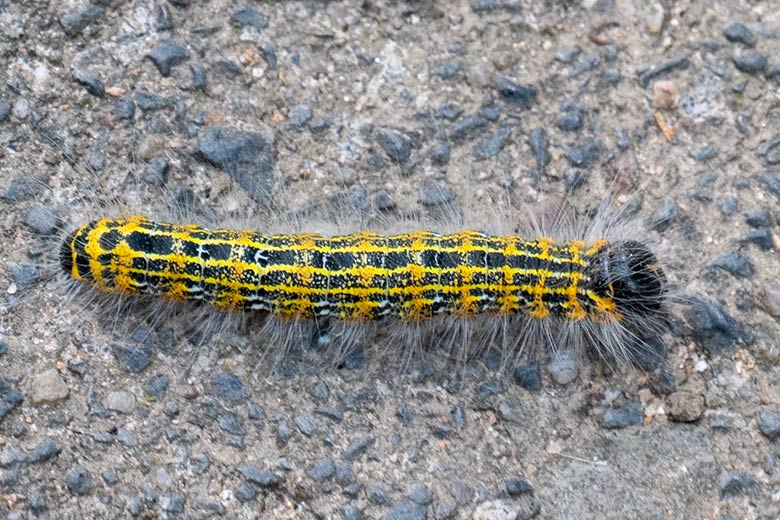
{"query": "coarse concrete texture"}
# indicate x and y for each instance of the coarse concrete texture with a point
(225, 108)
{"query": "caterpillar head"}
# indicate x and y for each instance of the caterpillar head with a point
(630, 274)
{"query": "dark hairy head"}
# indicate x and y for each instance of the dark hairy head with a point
(73, 247)
(630, 274)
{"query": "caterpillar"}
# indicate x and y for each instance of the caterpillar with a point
(618, 286)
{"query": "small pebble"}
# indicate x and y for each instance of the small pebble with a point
(132, 357)
(540, 146)
(378, 495)
(78, 481)
(769, 425)
(91, 81)
(166, 55)
(228, 388)
(735, 483)
(322, 470)
(42, 220)
(522, 96)
(617, 418)
(45, 451)
(405, 511)
(435, 193)
(739, 33)
(752, 63)
(358, 447)
(420, 494)
(48, 387)
(528, 376)
(663, 217)
(712, 326)
(395, 145)
(564, 367)
(21, 108)
(493, 144)
(120, 401)
(685, 406)
(246, 16)
(735, 263)
(262, 478)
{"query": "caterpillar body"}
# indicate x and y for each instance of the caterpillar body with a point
(366, 277)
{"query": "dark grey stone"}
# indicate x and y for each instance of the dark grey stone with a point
(74, 22)
(468, 128)
(306, 424)
(420, 494)
(405, 511)
(663, 217)
(395, 145)
(706, 153)
(245, 156)
(322, 470)
(45, 451)
(491, 112)
(156, 171)
(617, 418)
(761, 237)
(173, 502)
(320, 124)
(157, 386)
(245, 491)
(585, 154)
(255, 412)
(521, 96)
(319, 391)
(568, 55)
(446, 70)
(261, 477)
(124, 108)
(378, 495)
(440, 155)
(91, 81)
(751, 63)
(149, 102)
(735, 483)
(650, 73)
(345, 475)
(528, 376)
(540, 146)
(5, 109)
(199, 77)
(585, 63)
(571, 120)
(352, 513)
(769, 425)
(358, 447)
(739, 33)
(735, 263)
(110, 477)
(132, 357)
(232, 423)
(163, 21)
(36, 502)
(166, 55)
(24, 275)
(712, 327)
(573, 179)
(78, 481)
(298, 116)
(448, 111)
(228, 388)
(247, 16)
(516, 486)
(758, 217)
(332, 413)
(42, 220)
(10, 398)
(492, 145)
(434, 193)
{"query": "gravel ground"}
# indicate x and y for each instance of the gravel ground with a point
(396, 106)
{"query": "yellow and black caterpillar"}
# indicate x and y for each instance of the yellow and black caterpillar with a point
(364, 277)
